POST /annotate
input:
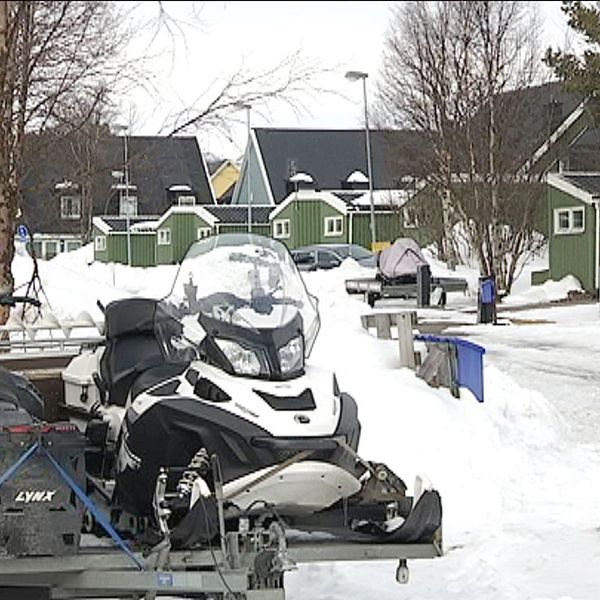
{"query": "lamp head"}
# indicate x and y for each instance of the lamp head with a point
(356, 75)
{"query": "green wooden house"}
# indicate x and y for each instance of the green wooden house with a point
(178, 228)
(165, 239)
(310, 217)
(110, 240)
(573, 205)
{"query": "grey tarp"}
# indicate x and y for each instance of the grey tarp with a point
(401, 258)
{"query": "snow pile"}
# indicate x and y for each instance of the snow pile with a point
(549, 291)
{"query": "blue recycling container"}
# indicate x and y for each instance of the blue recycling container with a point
(469, 368)
(486, 300)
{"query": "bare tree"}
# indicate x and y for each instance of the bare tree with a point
(52, 54)
(459, 72)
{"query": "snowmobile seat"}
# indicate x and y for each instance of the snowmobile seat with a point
(138, 334)
(124, 360)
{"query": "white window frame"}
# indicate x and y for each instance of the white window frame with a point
(337, 231)
(188, 200)
(203, 232)
(570, 229)
(281, 229)
(163, 236)
(100, 243)
(75, 202)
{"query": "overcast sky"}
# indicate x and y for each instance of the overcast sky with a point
(214, 39)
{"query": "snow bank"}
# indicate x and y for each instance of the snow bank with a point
(549, 291)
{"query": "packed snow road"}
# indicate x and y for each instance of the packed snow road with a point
(554, 351)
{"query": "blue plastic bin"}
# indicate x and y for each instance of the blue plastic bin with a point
(469, 372)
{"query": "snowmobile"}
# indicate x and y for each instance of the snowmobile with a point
(203, 414)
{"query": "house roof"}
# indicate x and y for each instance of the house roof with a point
(109, 223)
(330, 156)
(238, 214)
(200, 211)
(156, 164)
(583, 186)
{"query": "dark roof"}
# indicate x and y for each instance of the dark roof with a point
(588, 182)
(329, 156)
(238, 213)
(213, 165)
(525, 119)
(119, 224)
(156, 164)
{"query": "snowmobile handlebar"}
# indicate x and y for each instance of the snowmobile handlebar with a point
(10, 300)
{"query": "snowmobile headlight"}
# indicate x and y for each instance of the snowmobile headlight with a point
(243, 361)
(291, 356)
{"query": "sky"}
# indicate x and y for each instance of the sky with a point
(517, 473)
(211, 40)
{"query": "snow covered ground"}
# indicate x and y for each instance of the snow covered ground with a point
(519, 475)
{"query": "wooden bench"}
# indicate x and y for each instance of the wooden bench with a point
(405, 321)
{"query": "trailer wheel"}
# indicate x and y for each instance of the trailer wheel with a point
(25, 593)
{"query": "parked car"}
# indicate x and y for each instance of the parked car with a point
(328, 256)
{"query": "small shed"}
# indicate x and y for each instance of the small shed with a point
(574, 221)
(178, 228)
(111, 240)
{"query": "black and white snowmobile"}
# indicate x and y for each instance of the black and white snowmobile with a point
(205, 399)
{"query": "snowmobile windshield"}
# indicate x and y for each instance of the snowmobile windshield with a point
(246, 280)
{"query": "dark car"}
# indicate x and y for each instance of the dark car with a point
(328, 256)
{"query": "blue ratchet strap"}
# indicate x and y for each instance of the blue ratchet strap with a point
(12, 469)
(98, 515)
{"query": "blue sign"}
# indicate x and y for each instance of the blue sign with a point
(23, 233)
(164, 579)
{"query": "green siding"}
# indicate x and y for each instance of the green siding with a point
(184, 232)
(100, 256)
(307, 223)
(539, 277)
(388, 228)
(143, 248)
(572, 254)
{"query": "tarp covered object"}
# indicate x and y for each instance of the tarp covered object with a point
(402, 258)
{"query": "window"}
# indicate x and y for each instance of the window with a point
(203, 232)
(164, 237)
(281, 229)
(186, 200)
(73, 245)
(304, 258)
(334, 226)
(100, 243)
(409, 219)
(327, 260)
(569, 220)
(128, 205)
(50, 250)
(70, 207)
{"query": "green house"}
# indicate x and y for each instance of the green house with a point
(574, 228)
(310, 217)
(111, 240)
(178, 228)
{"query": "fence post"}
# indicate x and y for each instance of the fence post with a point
(405, 340)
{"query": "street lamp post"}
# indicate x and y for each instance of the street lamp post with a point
(127, 204)
(355, 76)
(247, 107)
